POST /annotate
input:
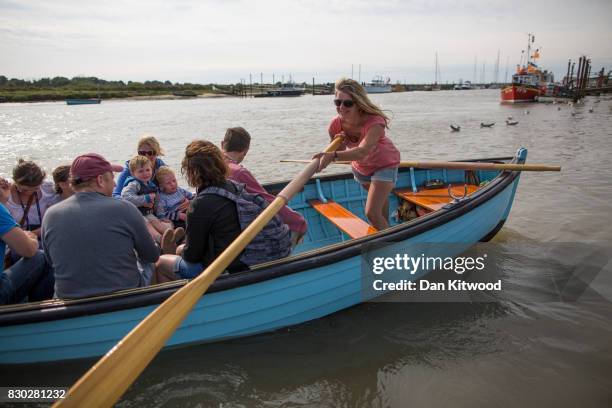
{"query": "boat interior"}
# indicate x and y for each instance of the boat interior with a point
(334, 206)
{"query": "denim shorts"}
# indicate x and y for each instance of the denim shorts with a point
(389, 175)
(187, 270)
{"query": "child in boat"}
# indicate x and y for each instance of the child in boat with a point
(173, 199)
(141, 191)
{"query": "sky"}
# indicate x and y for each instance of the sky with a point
(228, 41)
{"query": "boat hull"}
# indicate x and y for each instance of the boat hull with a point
(519, 93)
(375, 89)
(82, 101)
(310, 285)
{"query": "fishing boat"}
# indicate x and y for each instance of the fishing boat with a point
(89, 101)
(529, 82)
(378, 85)
(463, 86)
(322, 276)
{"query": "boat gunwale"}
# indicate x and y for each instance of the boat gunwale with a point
(57, 309)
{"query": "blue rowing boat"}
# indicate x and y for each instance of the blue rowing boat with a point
(321, 277)
(83, 101)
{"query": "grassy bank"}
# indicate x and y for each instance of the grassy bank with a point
(60, 88)
(50, 94)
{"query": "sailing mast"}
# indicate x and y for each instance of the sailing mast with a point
(436, 74)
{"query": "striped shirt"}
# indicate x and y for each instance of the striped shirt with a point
(168, 206)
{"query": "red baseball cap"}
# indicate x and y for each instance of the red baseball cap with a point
(90, 165)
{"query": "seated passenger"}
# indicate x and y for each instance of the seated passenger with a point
(30, 196)
(61, 179)
(217, 215)
(173, 199)
(30, 277)
(94, 243)
(141, 191)
(149, 147)
(235, 146)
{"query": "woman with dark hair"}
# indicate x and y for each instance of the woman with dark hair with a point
(30, 196)
(217, 215)
(61, 180)
(374, 158)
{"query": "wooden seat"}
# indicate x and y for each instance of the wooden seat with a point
(435, 198)
(342, 218)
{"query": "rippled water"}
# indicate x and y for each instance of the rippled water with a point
(525, 349)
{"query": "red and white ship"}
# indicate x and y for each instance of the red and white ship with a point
(529, 82)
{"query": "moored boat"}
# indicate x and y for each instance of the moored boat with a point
(462, 86)
(287, 89)
(378, 85)
(529, 82)
(89, 101)
(322, 276)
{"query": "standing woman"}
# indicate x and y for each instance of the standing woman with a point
(30, 196)
(149, 147)
(374, 158)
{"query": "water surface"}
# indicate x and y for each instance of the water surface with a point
(525, 349)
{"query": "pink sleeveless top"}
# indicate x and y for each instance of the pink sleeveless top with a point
(383, 155)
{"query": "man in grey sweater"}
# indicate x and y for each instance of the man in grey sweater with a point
(96, 244)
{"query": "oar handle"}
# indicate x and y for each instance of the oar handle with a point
(480, 166)
(111, 376)
(460, 165)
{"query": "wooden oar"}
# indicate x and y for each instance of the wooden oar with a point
(460, 165)
(108, 379)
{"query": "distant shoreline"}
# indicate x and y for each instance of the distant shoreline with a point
(173, 97)
(160, 97)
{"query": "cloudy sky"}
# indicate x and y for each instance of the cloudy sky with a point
(225, 41)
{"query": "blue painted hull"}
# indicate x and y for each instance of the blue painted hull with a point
(321, 279)
(82, 101)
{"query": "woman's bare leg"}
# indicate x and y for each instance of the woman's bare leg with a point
(161, 226)
(164, 268)
(377, 204)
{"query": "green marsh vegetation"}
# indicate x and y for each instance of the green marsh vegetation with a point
(60, 88)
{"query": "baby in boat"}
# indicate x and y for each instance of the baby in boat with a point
(141, 191)
(173, 199)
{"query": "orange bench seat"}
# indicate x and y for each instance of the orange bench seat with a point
(342, 218)
(435, 198)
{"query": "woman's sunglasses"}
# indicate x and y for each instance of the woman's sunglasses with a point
(148, 153)
(346, 102)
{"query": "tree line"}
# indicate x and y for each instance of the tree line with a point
(93, 83)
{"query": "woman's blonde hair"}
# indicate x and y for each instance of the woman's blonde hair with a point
(151, 141)
(360, 97)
